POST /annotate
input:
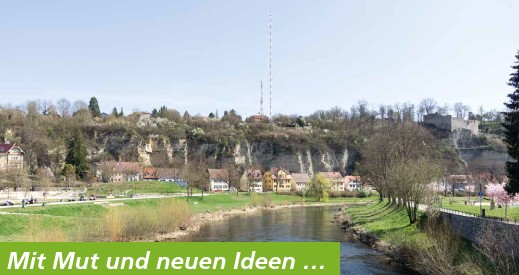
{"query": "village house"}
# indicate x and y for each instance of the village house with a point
(268, 181)
(218, 180)
(163, 174)
(11, 157)
(352, 183)
(171, 175)
(301, 181)
(278, 180)
(111, 171)
(336, 180)
(257, 119)
(149, 173)
(255, 178)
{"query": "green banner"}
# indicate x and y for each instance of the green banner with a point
(168, 258)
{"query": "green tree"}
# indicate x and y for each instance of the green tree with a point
(93, 107)
(77, 154)
(114, 112)
(511, 126)
(319, 187)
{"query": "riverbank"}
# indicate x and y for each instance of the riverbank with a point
(428, 246)
(136, 219)
(200, 219)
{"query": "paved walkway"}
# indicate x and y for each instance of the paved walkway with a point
(108, 201)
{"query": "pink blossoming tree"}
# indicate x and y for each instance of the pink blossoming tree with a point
(497, 192)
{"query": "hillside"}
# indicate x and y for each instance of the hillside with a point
(324, 141)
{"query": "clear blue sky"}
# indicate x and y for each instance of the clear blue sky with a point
(206, 55)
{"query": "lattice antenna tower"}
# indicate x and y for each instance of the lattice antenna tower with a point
(270, 61)
(261, 99)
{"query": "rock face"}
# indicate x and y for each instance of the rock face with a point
(268, 153)
(484, 160)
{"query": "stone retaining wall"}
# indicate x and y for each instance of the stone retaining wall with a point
(469, 227)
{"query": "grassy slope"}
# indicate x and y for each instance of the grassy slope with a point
(387, 222)
(391, 225)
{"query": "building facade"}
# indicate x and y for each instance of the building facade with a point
(111, 171)
(11, 157)
(301, 180)
(336, 180)
(352, 183)
(218, 180)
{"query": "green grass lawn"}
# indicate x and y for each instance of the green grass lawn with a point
(385, 221)
(459, 205)
(136, 187)
(14, 226)
(423, 240)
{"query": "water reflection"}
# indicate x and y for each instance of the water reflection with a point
(308, 224)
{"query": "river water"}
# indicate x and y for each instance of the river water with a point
(298, 224)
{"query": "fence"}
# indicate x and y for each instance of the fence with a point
(461, 213)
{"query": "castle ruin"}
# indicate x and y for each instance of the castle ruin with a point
(450, 123)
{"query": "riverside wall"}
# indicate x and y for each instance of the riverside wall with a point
(470, 227)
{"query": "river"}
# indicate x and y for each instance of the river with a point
(298, 224)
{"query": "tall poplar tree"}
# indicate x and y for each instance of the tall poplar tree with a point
(511, 126)
(93, 106)
(77, 154)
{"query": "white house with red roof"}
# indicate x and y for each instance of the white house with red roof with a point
(218, 180)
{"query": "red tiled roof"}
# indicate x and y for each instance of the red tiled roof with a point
(149, 173)
(332, 175)
(123, 167)
(5, 147)
(351, 178)
(220, 174)
(253, 173)
(169, 173)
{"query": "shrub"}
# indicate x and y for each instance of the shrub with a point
(262, 200)
(137, 223)
(363, 193)
(37, 232)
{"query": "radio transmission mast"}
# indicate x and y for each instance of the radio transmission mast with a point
(261, 99)
(270, 61)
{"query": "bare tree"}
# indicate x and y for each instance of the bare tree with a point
(428, 105)
(44, 179)
(461, 110)
(410, 178)
(233, 176)
(44, 106)
(79, 105)
(63, 107)
(444, 110)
